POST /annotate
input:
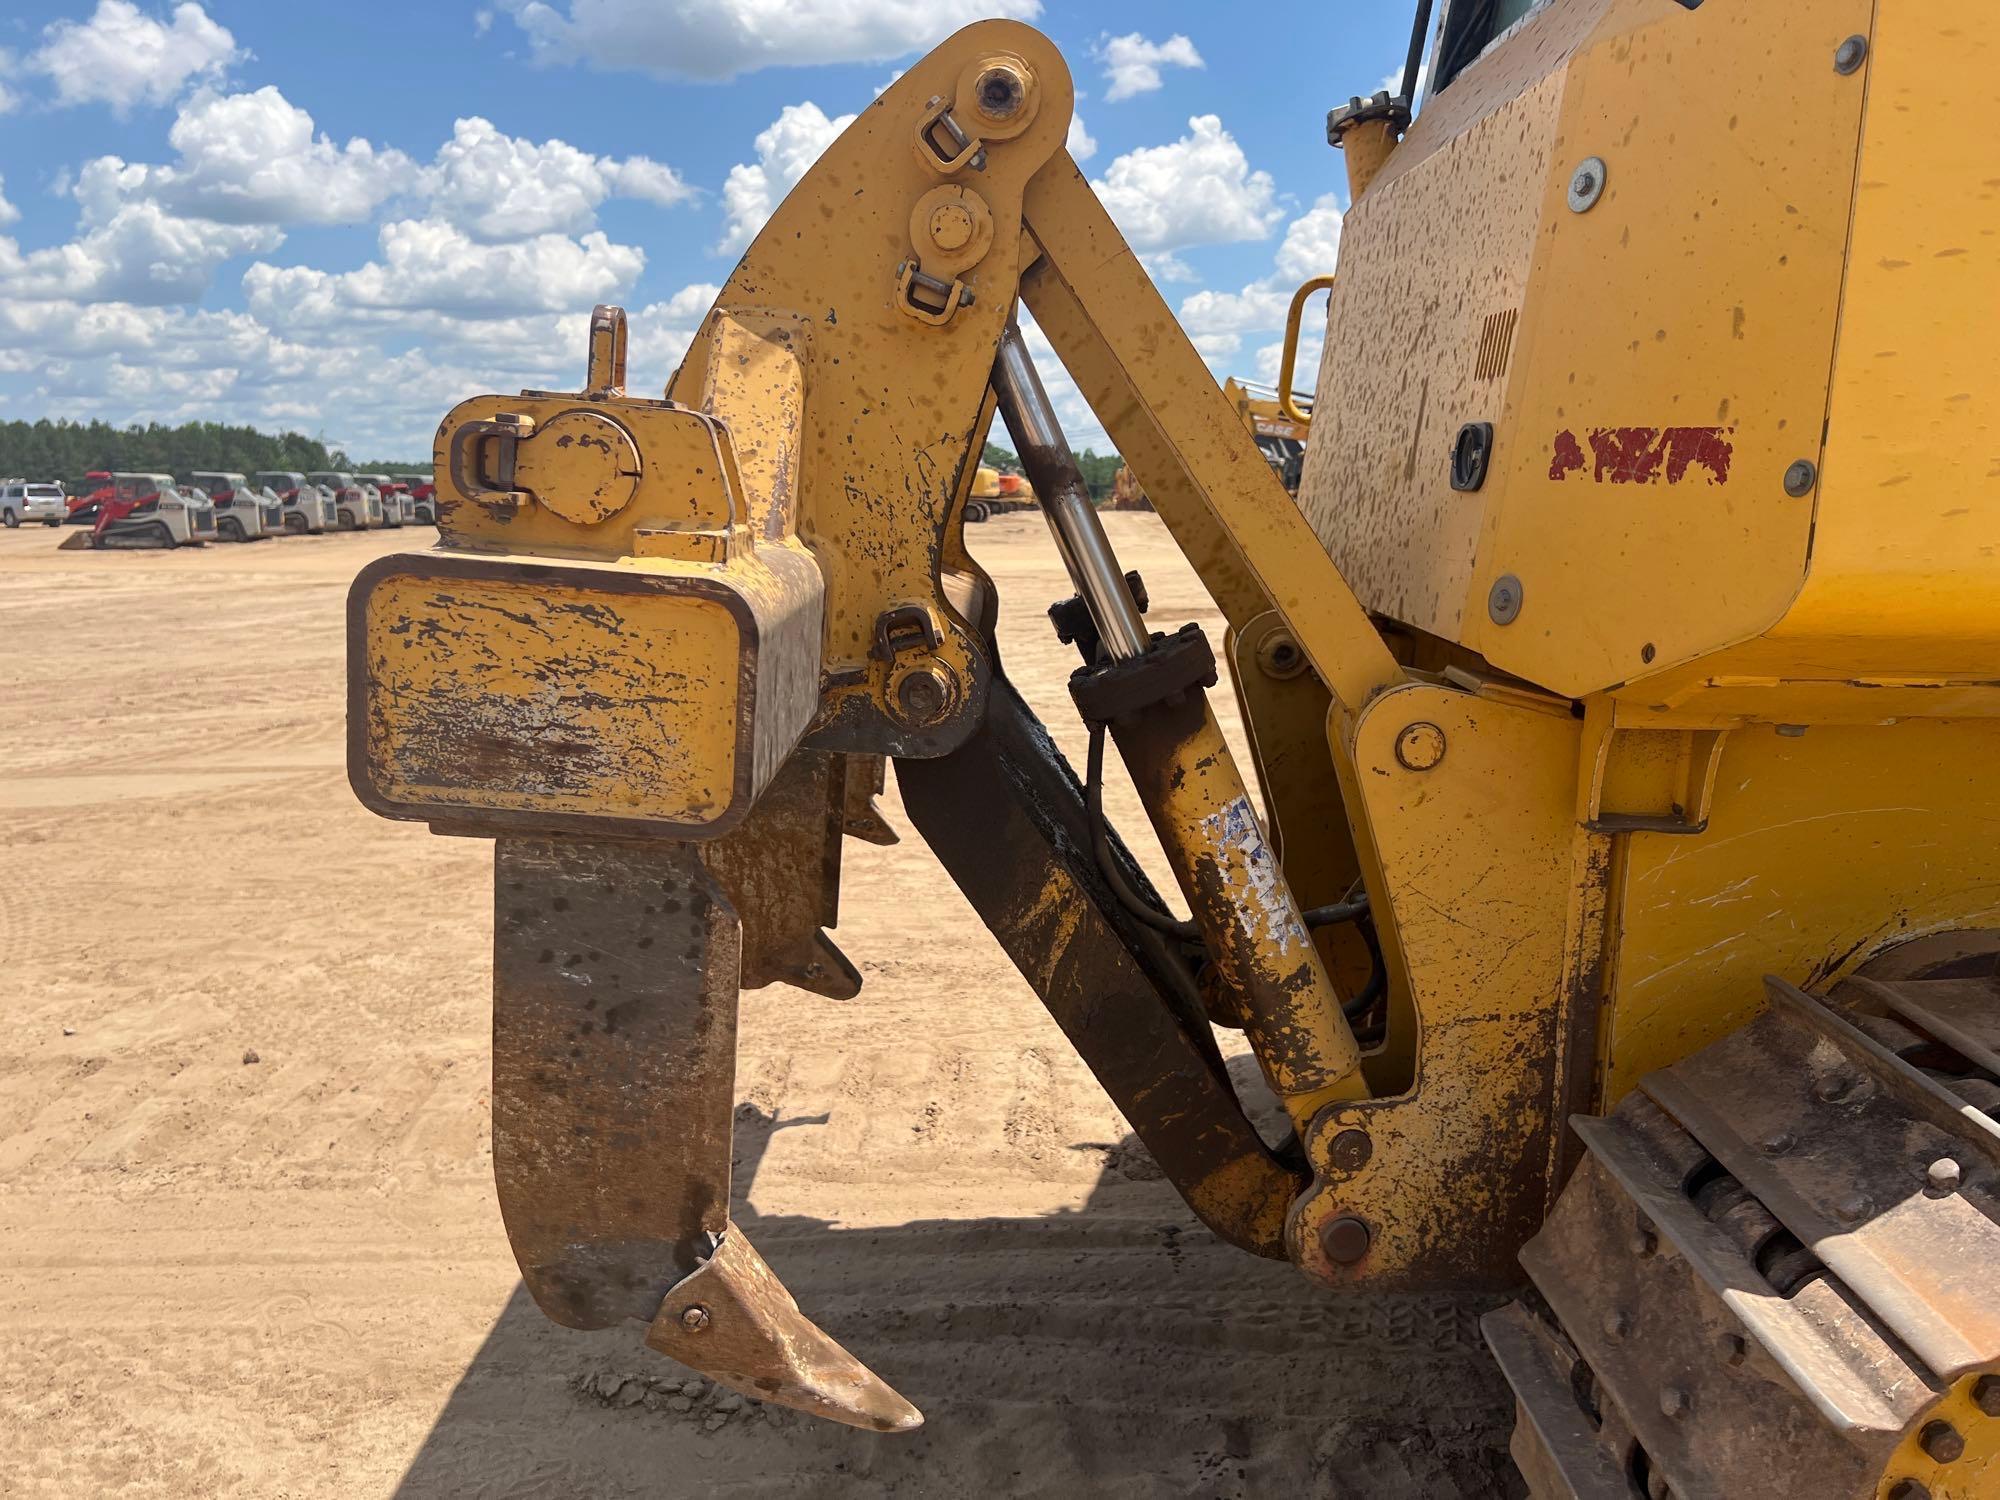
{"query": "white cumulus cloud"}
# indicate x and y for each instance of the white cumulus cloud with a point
(1219, 322)
(255, 158)
(502, 187)
(1312, 240)
(1199, 190)
(252, 159)
(434, 265)
(123, 56)
(139, 253)
(1082, 145)
(786, 149)
(717, 39)
(8, 213)
(1132, 63)
(1309, 248)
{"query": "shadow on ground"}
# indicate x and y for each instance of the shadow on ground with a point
(1117, 1350)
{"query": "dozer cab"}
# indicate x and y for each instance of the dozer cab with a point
(1610, 895)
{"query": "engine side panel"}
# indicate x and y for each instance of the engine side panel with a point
(1666, 360)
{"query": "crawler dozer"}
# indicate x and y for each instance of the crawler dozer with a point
(1610, 895)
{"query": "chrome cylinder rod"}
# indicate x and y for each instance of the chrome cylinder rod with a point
(1065, 501)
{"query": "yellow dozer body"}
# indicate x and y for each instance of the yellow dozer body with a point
(1610, 898)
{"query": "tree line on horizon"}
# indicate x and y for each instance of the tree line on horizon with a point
(67, 450)
(1098, 470)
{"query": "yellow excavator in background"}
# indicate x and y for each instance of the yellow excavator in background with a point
(995, 492)
(1278, 421)
(1612, 894)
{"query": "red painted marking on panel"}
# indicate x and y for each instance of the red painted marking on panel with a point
(1646, 455)
(1708, 447)
(1626, 455)
(1568, 455)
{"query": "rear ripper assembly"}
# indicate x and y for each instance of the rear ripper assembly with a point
(667, 646)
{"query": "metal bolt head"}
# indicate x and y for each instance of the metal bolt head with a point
(1852, 1208)
(1420, 746)
(1586, 184)
(1345, 1240)
(1850, 54)
(1986, 1394)
(1942, 1176)
(1835, 1086)
(1675, 1402)
(999, 92)
(1941, 1441)
(1279, 656)
(694, 1318)
(951, 226)
(1777, 1143)
(1617, 1323)
(1503, 600)
(1909, 1489)
(1350, 1150)
(924, 695)
(1800, 477)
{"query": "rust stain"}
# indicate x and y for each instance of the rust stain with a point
(1644, 455)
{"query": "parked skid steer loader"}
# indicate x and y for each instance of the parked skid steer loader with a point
(1618, 898)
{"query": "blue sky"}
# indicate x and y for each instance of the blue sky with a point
(343, 218)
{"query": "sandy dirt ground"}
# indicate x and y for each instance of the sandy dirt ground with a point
(248, 1241)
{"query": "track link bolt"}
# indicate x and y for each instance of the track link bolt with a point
(1345, 1240)
(1778, 1143)
(1941, 1441)
(1617, 1323)
(1942, 1176)
(1986, 1394)
(1837, 1086)
(1675, 1402)
(1645, 1239)
(1910, 1489)
(695, 1318)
